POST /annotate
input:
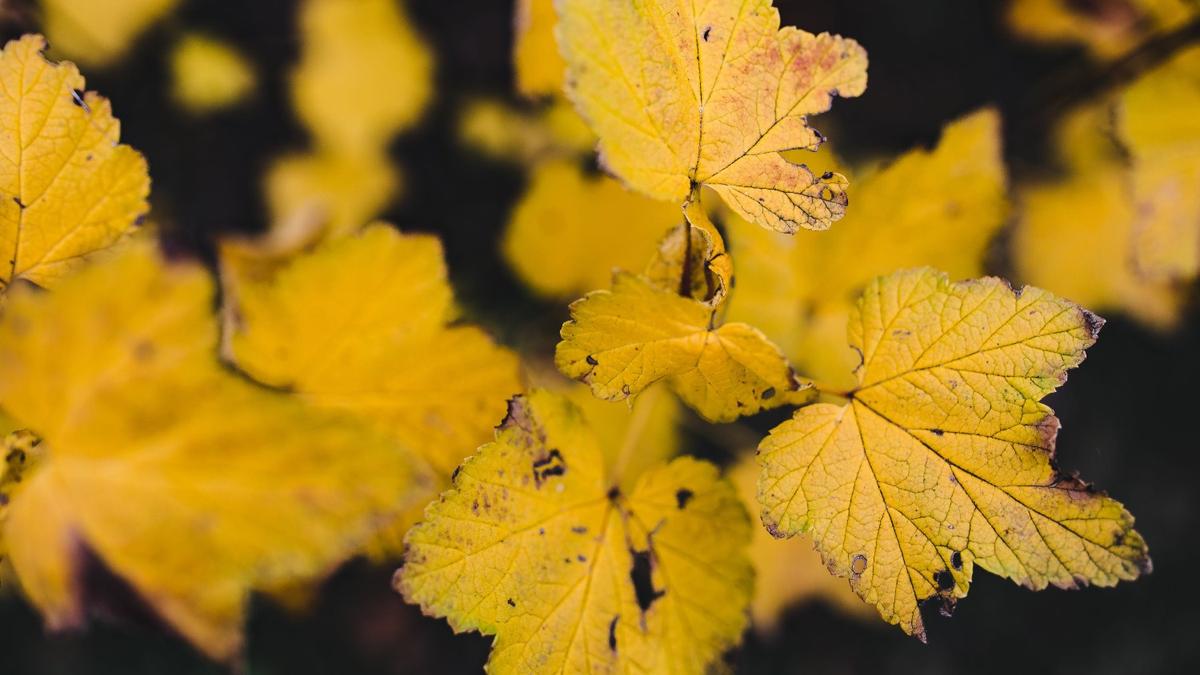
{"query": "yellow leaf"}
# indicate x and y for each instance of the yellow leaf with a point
(535, 546)
(21, 451)
(208, 74)
(569, 231)
(938, 207)
(365, 325)
(691, 260)
(338, 191)
(788, 572)
(364, 74)
(1108, 28)
(540, 69)
(510, 135)
(1075, 235)
(686, 94)
(69, 188)
(634, 437)
(98, 33)
(1160, 122)
(243, 258)
(660, 326)
(942, 459)
(241, 490)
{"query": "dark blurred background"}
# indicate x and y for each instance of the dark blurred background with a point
(1127, 412)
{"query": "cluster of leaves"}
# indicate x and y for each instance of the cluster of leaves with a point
(330, 421)
(333, 392)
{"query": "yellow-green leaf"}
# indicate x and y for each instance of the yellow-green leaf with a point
(938, 207)
(243, 491)
(942, 458)
(686, 93)
(69, 189)
(536, 545)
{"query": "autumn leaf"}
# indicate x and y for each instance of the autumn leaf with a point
(208, 74)
(69, 188)
(939, 207)
(789, 572)
(338, 191)
(366, 325)
(1074, 235)
(351, 52)
(540, 70)
(710, 95)
(1159, 121)
(660, 326)
(99, 33)
(1108, 28)
(942, 457)
(634, 437)
(245, 491)
(535, 545)
(570, 231)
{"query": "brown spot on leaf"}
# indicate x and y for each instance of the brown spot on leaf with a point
(552, 464)
(858, 564)
(643, 583)
(682, 497)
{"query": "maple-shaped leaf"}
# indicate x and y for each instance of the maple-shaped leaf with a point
(68, 188)
(942, 458)
(192, 507)
(939, 207)
(562, 250)
(1074, 234)
(687, 94)
(99, 33)
(1159, 121)
(788, 572)
(661, 326)
(366, 325)
(536, 545)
